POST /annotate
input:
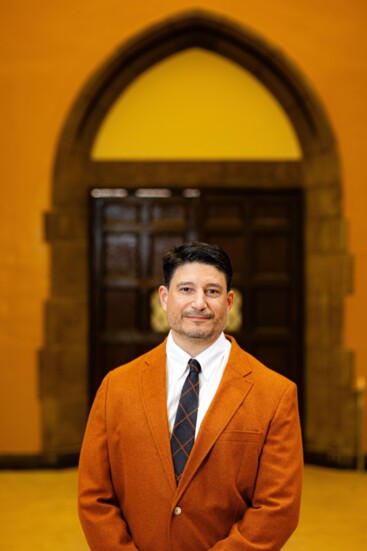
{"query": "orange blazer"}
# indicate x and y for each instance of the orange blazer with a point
(241, 487)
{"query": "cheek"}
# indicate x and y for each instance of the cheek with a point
(176, 304)
(171, 308)
(220, 308)
(222, 313)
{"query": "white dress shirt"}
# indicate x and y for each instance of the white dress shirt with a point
(213, 360)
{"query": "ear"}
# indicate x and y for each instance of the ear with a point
(230, 299)
(163, 294)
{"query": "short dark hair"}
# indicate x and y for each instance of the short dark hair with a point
(196, 251)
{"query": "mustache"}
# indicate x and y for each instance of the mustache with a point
(199, 314)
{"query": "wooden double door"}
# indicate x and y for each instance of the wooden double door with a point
(132, 229)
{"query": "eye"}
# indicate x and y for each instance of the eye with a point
(185, 290)
(213, 292)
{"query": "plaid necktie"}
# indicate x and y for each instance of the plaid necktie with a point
(183, 434)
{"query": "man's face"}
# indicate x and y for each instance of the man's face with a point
(196, 303)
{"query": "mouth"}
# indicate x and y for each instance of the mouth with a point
(198, 317)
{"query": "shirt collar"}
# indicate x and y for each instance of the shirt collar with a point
(209, 359)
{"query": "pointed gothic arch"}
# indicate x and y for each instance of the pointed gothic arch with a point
(330, 417)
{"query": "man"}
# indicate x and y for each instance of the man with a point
(231, 480)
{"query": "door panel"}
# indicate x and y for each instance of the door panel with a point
(129, 236)
(260, 230)
(262, 233)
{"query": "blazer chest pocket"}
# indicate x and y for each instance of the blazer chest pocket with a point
(239, 436)
(238, 451)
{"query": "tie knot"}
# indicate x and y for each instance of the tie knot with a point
(194, 365)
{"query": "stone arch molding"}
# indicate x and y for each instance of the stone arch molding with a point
(330, 418)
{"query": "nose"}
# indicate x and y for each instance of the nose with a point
(199, 300)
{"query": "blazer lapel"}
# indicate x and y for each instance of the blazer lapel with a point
(231, 393)
(153, 390)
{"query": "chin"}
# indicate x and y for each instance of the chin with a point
(198, 335)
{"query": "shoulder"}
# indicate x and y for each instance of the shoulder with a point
(254, 369)
(134, 367)
(124, 381)
(269, 391)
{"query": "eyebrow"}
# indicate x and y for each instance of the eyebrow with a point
(217, 285)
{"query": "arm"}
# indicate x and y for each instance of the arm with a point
(274, 512)
(99, 511)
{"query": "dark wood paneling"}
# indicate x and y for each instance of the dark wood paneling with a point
(260, 230)
(262, 233)
(128, 239)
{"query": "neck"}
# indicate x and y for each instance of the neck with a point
(192, 346)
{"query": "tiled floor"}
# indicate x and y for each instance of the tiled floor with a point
(38, 512)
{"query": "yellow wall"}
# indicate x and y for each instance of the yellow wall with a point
(48, 50)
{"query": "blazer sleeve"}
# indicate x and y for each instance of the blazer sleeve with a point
(99, 511)
(274, 513)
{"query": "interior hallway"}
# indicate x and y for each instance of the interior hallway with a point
(38, 511)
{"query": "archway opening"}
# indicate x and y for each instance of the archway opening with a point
(196, 105)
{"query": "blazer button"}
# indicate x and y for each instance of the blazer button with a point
(177, 511)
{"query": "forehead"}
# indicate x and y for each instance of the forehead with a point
(198, 272)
